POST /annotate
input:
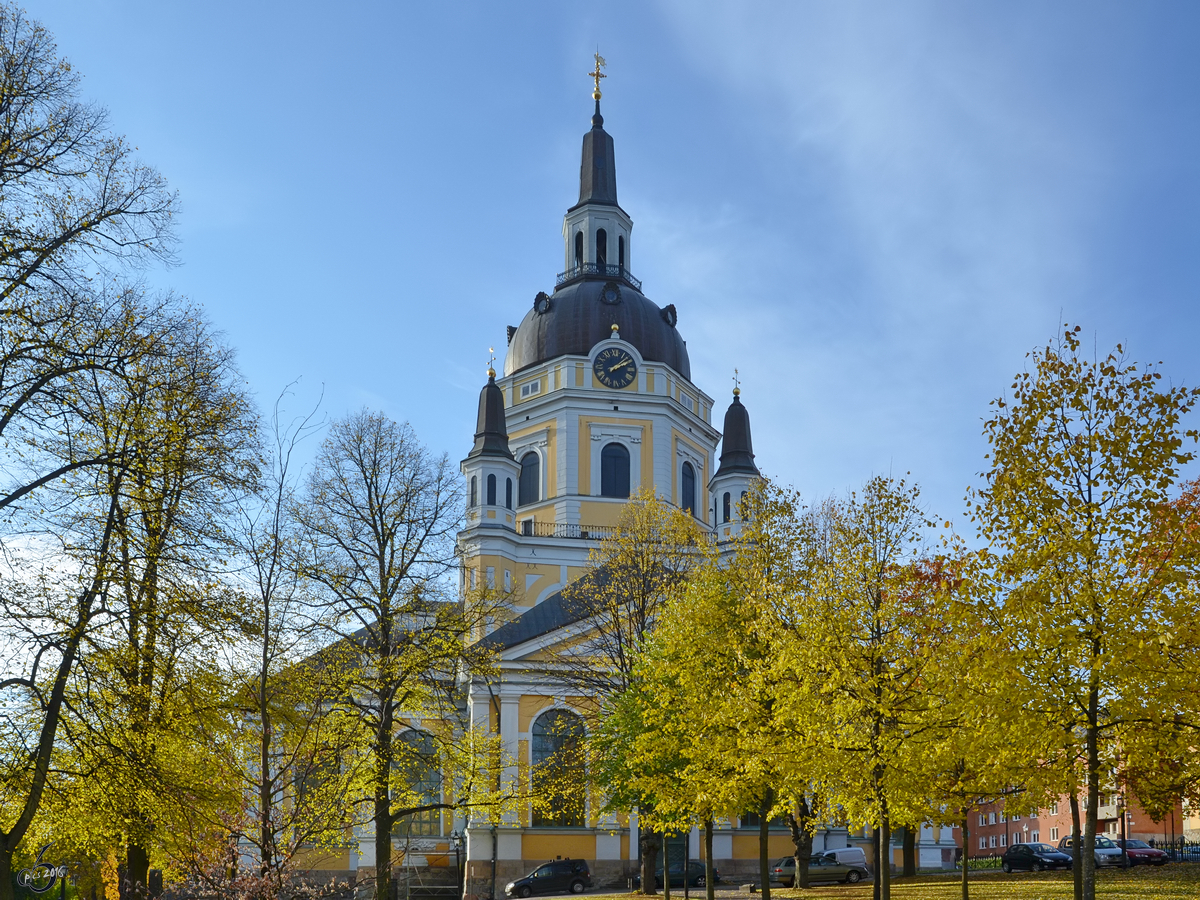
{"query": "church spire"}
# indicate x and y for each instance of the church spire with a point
(598, 170)
(491, 435)
(737, 452)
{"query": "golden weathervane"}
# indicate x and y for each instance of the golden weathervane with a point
(597, 75)
(737, 384)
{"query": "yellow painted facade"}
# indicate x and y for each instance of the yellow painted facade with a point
(535, 846)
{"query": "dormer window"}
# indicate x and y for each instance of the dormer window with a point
(601, 247)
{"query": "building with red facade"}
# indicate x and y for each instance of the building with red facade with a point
(992, 830)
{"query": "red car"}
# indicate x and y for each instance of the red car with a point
(1142, 854)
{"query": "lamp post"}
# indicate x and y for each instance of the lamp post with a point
(457, 839)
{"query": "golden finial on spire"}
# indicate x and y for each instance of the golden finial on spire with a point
(597, 74)
(492, 363)
(736, 383)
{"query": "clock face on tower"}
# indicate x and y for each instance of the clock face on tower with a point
(614, 368)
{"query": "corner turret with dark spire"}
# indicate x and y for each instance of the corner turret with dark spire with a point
(737, 472)
(737, 451)
(491, 434)
(490, 470)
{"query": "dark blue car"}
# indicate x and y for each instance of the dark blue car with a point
(1034, 858)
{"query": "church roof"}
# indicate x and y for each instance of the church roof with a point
(491, 434)
(555, 612)
(551, 614)
(577, 319)
(737, 452)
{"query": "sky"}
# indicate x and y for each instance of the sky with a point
(872, 210)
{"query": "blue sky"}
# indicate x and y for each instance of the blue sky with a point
(873, 210)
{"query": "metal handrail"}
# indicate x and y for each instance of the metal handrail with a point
(530, 528)
(582, 269)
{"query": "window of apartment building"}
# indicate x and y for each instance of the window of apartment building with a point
(1054, 808)
(1034, 837)
(991, 818)
(991, 840)
(1054, 834)
(1016, 819)
(982, 819)
(983, 843)
(1004, 840)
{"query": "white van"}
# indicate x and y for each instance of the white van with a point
(848, 856)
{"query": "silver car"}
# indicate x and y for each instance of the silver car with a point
(1107, 853)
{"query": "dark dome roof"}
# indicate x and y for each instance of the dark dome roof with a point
(578, 320)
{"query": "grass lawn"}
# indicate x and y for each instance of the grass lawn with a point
(1176, 881)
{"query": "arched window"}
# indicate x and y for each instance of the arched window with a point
(508, 493)
(417, 781)
(530, 488)
(621, 250)
(742, 506)
(558, 770)
(491, 490)
(614, 471)
(474, 490)
(601, 247)
(725, 507)
(687, 488)
(579, 248)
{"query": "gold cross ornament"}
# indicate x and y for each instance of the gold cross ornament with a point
(597, 75)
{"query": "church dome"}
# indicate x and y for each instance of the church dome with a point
(581, 314)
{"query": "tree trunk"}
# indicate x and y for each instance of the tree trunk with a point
(6, 873)
(649, 842)
(666, 864)
(1076, 835)
(885, 862)
(383, 807)
(709, 878)
(910, 852)
(801, 840)
(764, 836)
(1093, 798)
(966, 844)
(876, 857)
(137, 872)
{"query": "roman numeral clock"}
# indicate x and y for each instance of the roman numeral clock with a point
(614, 368)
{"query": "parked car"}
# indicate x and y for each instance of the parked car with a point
(556, 877)
(820, 868)
(851, 856)
(1142, 854)
(696, 875)
(1107, 853)
(1034, 857)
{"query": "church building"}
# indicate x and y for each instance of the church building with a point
(596, 401)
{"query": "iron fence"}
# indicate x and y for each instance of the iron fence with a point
(578, 271)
